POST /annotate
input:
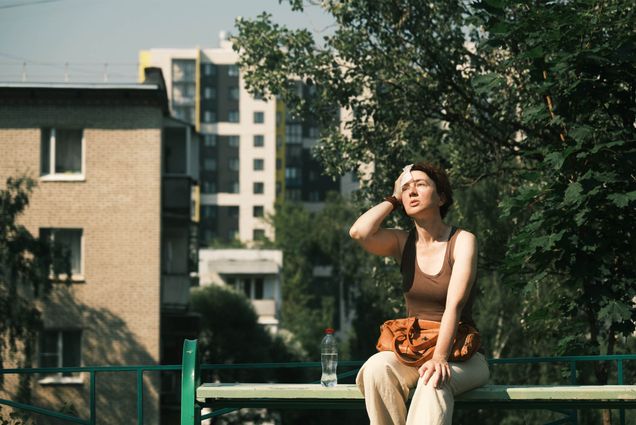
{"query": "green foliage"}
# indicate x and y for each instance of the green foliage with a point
(310, 301)
(27, 265)
(535, 102)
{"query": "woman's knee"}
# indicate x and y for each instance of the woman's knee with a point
(382, 368)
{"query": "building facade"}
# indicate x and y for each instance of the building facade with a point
(116, 177)
(257, 273)
(254, 153)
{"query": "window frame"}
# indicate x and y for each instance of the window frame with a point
(58, 378)
(52, 175)
(75, 277)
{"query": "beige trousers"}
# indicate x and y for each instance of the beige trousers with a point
(386, 383)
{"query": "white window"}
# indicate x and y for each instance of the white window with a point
(259, 187)
(60, 348)
(62, 153)
(258, 211)
(259, 141)
(259, 117)
(70, 241)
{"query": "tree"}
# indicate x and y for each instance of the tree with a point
(28, 265)
(535, 103)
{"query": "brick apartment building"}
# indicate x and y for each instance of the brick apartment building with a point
(117, 185)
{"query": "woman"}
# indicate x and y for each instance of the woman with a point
(438, 287)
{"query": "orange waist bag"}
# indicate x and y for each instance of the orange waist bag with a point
(413, 340)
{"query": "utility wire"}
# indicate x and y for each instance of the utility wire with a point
(30, 3)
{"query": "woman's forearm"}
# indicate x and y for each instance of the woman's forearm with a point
(369, 222)
(447, 330)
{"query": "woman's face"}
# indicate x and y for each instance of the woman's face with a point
(420, 194)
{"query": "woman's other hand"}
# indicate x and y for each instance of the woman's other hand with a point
(436, 370)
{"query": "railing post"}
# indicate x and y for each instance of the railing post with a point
(140, 396)
(92, 403)
(190, 410)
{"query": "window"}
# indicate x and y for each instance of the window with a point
(279, 163)
(61, 153)
(259, 117)
(292, 194)
(314, 133)
(210, 140)
(279, 141)
(209, 116)
(60, 348)
(209, 164)
(233, 116)
(183, 70)
(209, 93)
(233, 164)
(294, 133)
(208, 187)
(259, 141)
(259, 235)
(70, 240)
(314, 196)
(259, 187)
(259, 211)
(259, 164)
(234, 186)
(233, 71)
(279, 118)
(258, 282)
(233, 141)
(209, 70)
(234, 93)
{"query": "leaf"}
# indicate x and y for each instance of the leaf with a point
(581, 133)
(573, 194)
(615, 311)
(621, 200)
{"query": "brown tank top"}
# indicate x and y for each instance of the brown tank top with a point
(425, 294)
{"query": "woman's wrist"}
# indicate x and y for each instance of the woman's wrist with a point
(394, 201)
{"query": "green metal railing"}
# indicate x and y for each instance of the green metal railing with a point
(140, 371)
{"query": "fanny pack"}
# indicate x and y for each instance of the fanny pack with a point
(413, 340)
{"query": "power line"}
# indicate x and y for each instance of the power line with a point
(31, 3)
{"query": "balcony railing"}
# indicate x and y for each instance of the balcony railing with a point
(265, 307)
(175, 291)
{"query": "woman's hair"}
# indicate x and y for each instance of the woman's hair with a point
(439, 176)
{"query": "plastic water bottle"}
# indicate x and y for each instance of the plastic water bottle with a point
(329, 359)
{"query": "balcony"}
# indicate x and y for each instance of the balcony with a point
(175, 292)
(265, 307)
(176, 195)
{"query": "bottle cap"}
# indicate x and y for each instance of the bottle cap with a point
(329, 331)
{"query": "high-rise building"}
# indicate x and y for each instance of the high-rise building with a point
(253, 153)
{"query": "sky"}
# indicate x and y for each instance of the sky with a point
(60, 40)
